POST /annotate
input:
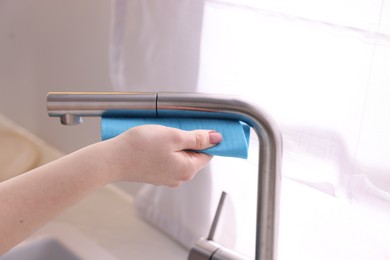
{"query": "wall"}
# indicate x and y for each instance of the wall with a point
(53, 45)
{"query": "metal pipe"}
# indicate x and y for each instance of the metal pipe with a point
(204, 106)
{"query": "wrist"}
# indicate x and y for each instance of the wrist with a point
(114, 162)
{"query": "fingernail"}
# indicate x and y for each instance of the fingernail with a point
(215, 137)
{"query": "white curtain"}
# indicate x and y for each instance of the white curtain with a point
(321, 68)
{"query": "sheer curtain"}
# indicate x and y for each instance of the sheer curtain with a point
(321, 68)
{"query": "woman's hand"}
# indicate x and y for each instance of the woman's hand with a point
(160, 155)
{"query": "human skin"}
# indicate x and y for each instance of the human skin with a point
(148, 154)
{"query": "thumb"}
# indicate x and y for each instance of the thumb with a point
(200, 139)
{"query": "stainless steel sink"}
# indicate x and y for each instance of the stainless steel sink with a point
(41, 249)
(60, 242)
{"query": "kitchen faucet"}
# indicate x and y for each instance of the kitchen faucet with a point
(71, 107)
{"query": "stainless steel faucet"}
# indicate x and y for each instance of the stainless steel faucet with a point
(72, 106)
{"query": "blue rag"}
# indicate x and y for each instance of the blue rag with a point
(235, 133)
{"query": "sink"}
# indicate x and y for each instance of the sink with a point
(41, 249)
(58, 241)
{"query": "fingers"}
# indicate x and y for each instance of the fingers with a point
(199, 160)
(193, 162)
(200, 139)
(196, 140)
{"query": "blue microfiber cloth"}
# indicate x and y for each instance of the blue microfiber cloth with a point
(235, 133)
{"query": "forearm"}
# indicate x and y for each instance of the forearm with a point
(31, 199)
(148, 154)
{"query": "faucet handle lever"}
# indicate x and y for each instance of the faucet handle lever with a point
(207, 249)
(216, 216)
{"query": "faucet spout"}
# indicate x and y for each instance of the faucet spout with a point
(69, 119)
(72, 106)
